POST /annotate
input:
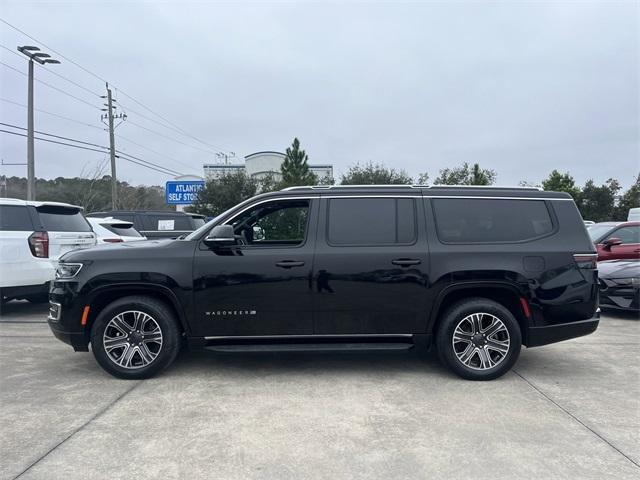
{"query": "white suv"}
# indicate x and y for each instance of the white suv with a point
(33, 235)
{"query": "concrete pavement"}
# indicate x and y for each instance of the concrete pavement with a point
(570, 410)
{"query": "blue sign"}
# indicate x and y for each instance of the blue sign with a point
(182, 192)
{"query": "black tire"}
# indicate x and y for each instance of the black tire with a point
(161, 314)
(459, 312)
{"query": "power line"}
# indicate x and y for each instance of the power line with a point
(56, 74)
(153, 151)
(117, 89)
(130, 110)
(52, 114)
(51, 86)
(166, 137)
(92, 126)
(122, 155)
(52, 135)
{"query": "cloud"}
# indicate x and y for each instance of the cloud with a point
(520, 87)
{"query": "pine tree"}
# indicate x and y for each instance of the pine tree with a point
(295, 168)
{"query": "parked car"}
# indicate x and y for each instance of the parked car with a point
(476, 271)
(616, 240)
(157, 224)
(620, 284)
(33, 235)
(112, 230)
(634, 215)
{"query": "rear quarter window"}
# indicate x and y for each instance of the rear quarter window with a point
(461, 220)
(62, 219)
(125, 230)
(15, 218)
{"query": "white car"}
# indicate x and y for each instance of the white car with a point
(112, 230)
(33, 235)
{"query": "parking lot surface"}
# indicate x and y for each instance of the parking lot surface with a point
(570, 410)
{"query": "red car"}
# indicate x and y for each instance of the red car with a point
(616, 240)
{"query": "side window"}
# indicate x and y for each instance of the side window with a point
(627, 234)
(462, 220)
(371, 221)
(282, 222)
(15, 218)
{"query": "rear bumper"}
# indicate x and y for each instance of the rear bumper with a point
(547, 334)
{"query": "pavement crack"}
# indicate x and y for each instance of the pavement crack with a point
(80, 428)
(547, 397)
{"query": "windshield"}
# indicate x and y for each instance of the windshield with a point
(597, 231)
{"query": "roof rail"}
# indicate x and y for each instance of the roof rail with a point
(328, 187)
(491, 187)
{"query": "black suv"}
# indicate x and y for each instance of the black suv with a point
(157, 223)
(477, 272)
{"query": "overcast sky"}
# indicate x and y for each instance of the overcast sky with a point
(520, 87)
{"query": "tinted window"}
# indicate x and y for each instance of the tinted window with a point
(627, 234)
(274, 223)
(15, 218)
(62, 219)
(168, 222)
(490, 221)
(198, 222)
(597, 231)
(124, 229)
(371, 221)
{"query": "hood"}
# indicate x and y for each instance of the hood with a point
(116, 251)
(619, 269)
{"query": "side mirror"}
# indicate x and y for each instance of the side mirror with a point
(221, 235)
(611, 242)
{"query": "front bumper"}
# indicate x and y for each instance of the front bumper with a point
(65, 312)
(547, 334)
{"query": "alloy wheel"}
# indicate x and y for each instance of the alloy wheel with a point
(481, 341)
(132, 339)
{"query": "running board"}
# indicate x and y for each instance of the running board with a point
(309, 343)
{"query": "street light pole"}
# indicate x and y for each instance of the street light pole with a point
(42, 59)
(31, 170)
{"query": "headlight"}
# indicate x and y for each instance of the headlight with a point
(635, 281)
(67, 270)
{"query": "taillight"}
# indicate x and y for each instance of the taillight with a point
(112, 240)
(39, 244)
(586, 260)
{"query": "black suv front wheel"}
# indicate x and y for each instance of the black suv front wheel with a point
(135, 337)
(479, 339)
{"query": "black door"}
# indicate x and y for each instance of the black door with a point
(371, 266)
(262, 286)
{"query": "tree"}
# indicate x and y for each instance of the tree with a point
(220, 194)
(423, 179)
(295, 168)
(630, 199)
(562, 182)
(93, 192)
(597, 203)
(466, 175)
(375, 174)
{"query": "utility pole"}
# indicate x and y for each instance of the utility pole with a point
(42, 59)
(111, 116)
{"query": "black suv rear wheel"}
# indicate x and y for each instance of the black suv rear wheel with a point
(135, 337)
(479, 339)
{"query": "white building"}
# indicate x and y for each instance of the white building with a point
(260, 164)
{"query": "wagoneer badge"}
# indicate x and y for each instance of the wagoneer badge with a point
(226, 313)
